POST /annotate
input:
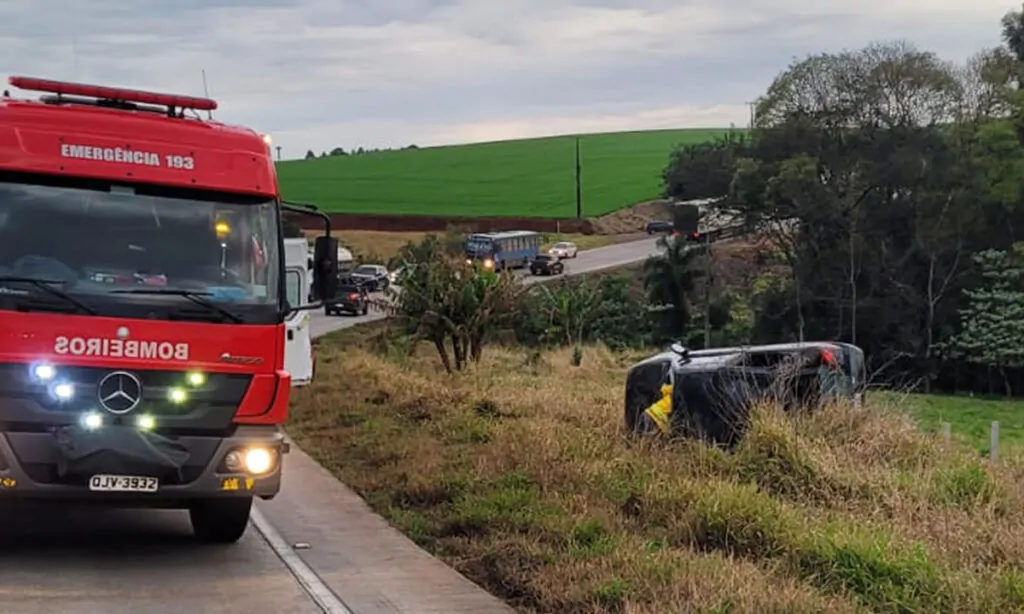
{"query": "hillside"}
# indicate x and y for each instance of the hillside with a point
(522, 178)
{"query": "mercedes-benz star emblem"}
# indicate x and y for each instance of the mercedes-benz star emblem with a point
(119, 392)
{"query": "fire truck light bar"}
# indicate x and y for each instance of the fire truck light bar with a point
(113, 93)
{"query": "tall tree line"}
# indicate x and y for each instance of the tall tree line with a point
(888, 185)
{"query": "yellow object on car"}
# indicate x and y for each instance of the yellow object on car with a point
(660, 412)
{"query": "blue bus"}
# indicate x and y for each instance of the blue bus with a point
(503, 250)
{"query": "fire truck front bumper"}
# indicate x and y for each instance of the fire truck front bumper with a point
(126, 467)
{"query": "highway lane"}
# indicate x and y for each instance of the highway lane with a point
(588, 261)
(90, 561)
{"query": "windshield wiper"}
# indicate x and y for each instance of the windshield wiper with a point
(195, 297)
(47, 285)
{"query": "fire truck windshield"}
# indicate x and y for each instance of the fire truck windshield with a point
(137, 250)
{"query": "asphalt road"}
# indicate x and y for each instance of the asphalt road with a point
(588, 261)
(88, 560)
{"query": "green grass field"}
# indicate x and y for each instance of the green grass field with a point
(522, 178)
(970, 418)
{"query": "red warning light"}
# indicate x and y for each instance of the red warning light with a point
(113, 93)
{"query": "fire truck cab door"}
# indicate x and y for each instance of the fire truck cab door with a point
(298, 346)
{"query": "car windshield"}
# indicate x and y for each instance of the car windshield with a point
(347, 289)
(365, 270)
(563, 245)
(114, 246)
(543, 258)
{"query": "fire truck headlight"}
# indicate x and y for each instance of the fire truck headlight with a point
(196, 379)
(177, 395)
(44, 372)
(63, 391)
(258, 461)
(146, 422)
(91, 421)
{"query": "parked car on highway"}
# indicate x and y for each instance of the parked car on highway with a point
(656, 226)
(352, 299)
(564, 249)
(371, 276)
(545, 264)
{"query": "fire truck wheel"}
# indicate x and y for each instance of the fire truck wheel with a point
(220, 521)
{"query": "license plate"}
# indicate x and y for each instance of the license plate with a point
(123, 483)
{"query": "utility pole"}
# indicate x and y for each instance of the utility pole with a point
(278, 153)
(753, 113)
(708, 281)
(579, 183)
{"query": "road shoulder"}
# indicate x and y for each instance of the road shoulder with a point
(363, 559)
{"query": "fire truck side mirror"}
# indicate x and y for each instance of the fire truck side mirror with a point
(325, 268)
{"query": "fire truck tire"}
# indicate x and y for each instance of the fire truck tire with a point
(220, 521)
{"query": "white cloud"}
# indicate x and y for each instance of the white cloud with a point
(321, 73)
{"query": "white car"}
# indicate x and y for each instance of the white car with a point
(563, 249)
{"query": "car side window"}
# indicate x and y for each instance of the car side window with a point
(293, 287)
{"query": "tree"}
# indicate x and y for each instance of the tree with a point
(570, 311)
(670, 279)
(450, 303)
(1013, 33)
(702, 170)
(338, 151)
(872, 175)
(309, 154)
(992, 323)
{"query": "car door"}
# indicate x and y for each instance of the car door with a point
(298, 346)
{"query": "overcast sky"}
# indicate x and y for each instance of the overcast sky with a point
(378, 73)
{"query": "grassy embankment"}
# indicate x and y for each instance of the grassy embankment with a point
(521, 178)
(518, 474)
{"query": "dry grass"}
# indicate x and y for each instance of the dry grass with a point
(519, 475)
(382, 246)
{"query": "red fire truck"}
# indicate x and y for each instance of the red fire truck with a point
(142, 302)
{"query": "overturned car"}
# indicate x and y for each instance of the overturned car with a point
(708, 394)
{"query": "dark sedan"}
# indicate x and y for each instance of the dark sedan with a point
(373, 276)
(351, 298)
(658, 226)
(546, 265)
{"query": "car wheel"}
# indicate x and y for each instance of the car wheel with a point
(220, 521)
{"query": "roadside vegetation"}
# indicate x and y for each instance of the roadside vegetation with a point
(517, 472)
(485, 419)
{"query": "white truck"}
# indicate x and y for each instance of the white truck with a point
(299, 357)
